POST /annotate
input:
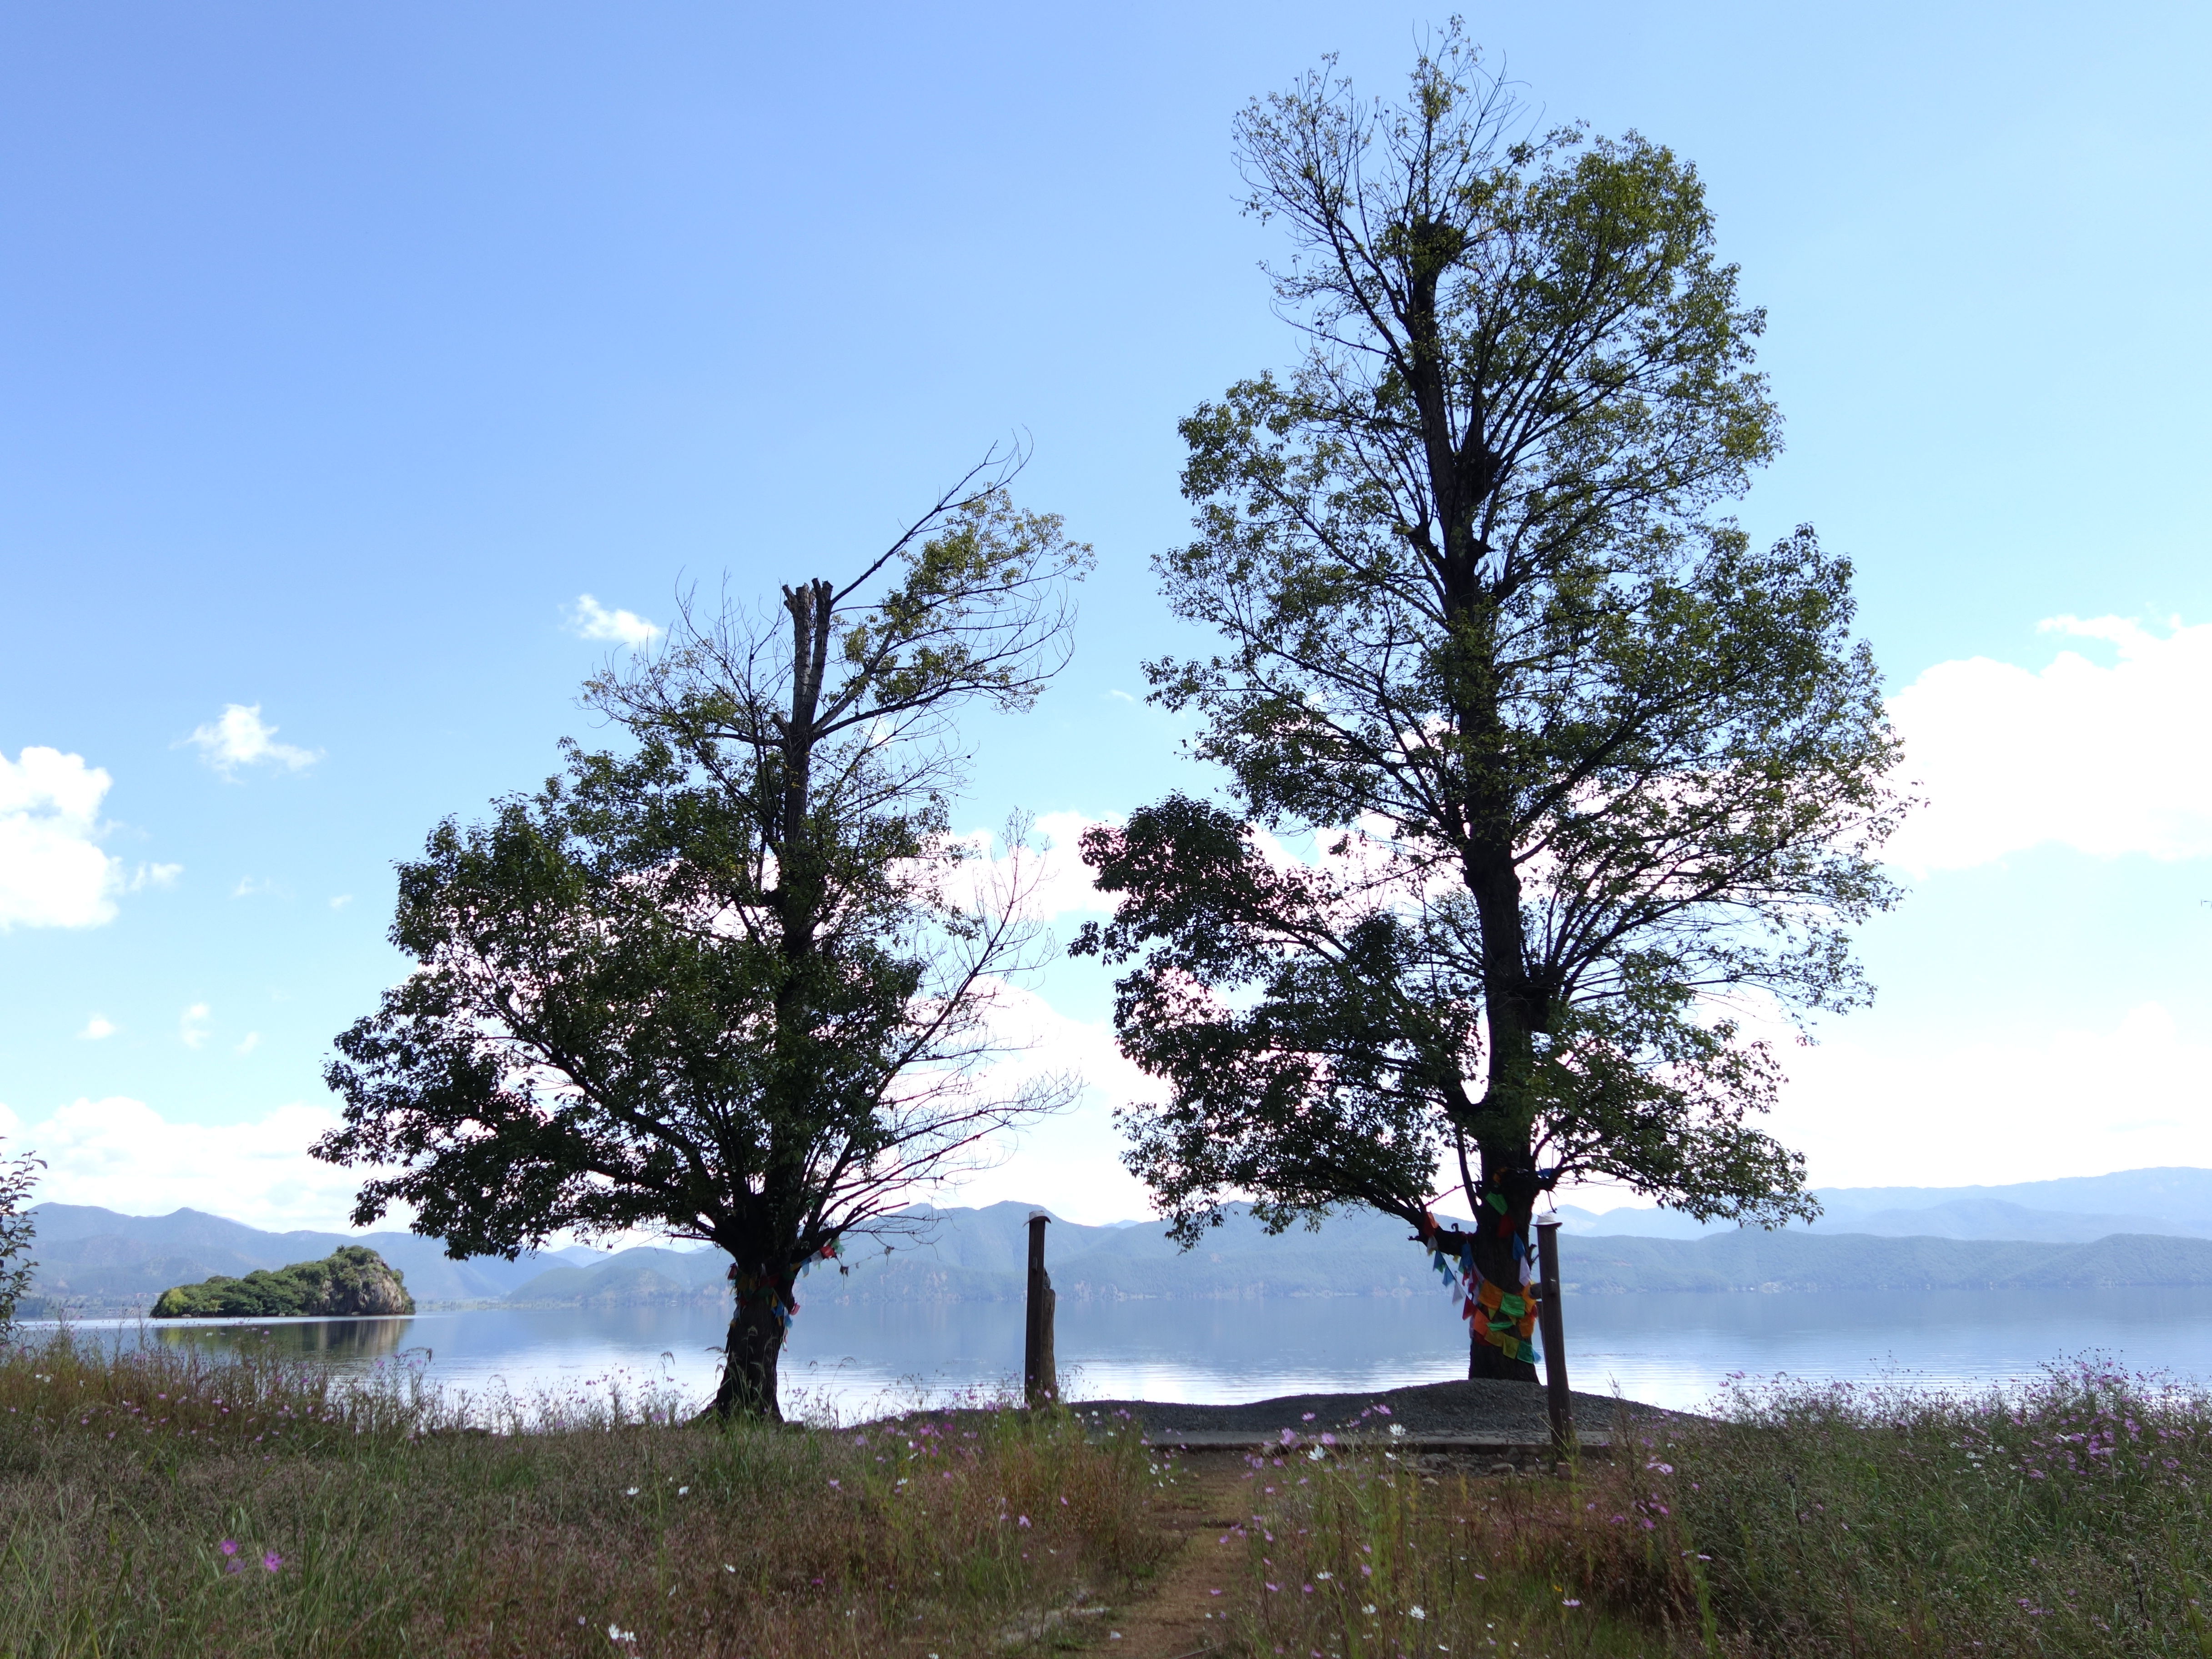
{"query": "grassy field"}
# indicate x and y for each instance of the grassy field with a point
(2070, 1518)
(157, 1503)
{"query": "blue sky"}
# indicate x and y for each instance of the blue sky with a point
(344, 349)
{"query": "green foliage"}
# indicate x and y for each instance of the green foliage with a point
(732, 984)
(1588, 775)
(582, 1045)
(18, 1176)
(351, 1279)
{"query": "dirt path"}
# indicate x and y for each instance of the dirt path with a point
(1178, 1617)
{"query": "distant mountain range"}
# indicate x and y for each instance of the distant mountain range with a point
(2141, 1227)
(1753, 1261)
(2074, 1210)
(94, 1261)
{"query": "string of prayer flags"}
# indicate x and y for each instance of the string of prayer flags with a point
(1513, 1346)
(1505, 1319)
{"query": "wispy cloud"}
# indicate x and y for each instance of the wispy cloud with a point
(192, 1025)
(154, 875)
(252, 887)
(252, 1042)
(592, 621)
(341, 901)
(97, 1027)
(239, 737)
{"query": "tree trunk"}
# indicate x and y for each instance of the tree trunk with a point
(1463, 473)
(1515, 1183)
(749, 1360)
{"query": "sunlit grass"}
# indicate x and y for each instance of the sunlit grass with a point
(2067, 1517)
(159, 1502)
(1359, 1555)
(2070, 1517)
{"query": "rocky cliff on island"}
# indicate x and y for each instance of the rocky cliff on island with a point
(352, 1281)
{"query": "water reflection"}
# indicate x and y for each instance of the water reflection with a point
(340, 1340)
(855, 1359)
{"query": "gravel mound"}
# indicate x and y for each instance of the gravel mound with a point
(1484, 1409)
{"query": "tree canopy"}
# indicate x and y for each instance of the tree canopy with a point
(1587, 775)
(735, 983)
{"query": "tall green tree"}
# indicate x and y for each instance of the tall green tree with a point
(735, 983)
(19, 1177)
(1588, 773)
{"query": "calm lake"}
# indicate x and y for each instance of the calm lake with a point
(1669, 1350)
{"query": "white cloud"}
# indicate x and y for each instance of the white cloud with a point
(154, 875)
(192, 1025)
(341, 901)
(592, 621)
(238, 738)
(251, 886)
(1060, 883)
(2105, 760)
(123, 1154)
(1999, 1110)
(252, 1042)
(97, 1027)
(52, 874)
(1070, 1163)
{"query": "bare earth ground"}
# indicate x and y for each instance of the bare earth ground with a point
(1177, 1617)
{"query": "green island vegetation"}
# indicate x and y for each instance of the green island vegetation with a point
(157, 1502)
(351, 1280)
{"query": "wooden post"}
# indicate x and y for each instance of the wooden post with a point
(1040, 1378)
(1557, 1399)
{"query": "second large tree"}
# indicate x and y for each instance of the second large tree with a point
(1587, 775)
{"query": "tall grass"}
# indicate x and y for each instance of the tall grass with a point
(160, 1502)
(2067, 1517)
(1359, 1556)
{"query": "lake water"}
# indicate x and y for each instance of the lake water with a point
(1669, 1350)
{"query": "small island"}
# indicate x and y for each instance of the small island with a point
(352, 1281)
